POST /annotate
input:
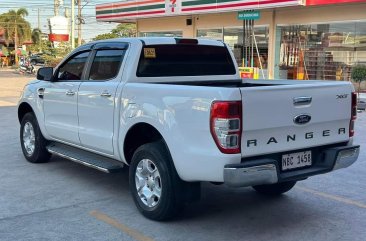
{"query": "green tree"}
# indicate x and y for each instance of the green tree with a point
(122, 30)
(358, 75)
(36, 36)
(125, 30)
(17, 29)
(105, 36)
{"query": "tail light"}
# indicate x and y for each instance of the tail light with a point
(226, 125)
(353, 115)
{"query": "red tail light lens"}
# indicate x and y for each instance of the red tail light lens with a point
(226, 125)
(353, 115)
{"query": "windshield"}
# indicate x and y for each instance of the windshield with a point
(184, 60)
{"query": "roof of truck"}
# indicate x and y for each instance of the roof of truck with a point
(161, 40)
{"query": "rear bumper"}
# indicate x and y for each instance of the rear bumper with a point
(267, 170)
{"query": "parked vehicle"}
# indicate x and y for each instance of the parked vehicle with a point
(37, 59)
(176, 112)
(26, 67)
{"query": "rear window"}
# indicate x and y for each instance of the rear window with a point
(184, 60)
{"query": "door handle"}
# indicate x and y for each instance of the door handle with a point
(40, 92)
(70, 92)
(105, 94)
(303, 100)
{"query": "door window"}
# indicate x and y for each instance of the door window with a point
(106, 64)
(73, 68)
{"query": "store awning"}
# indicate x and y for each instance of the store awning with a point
(125, 11)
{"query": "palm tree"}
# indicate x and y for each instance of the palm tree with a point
(36, 37)
(17, 29)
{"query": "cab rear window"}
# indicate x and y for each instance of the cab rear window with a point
(184, 60)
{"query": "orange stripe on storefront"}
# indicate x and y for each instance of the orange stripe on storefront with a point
(117, 5)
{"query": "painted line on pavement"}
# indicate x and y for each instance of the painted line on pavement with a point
(6, 103)
(333, 197)
(129, 231)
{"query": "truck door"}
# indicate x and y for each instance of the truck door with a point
(97, 97)
(60, 99)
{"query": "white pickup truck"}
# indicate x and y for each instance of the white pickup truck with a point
(176, 112)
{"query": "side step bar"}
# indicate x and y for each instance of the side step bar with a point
(85, 158)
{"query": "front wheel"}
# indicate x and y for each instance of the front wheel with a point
(275, 189)
(32, 141)
(155, 185)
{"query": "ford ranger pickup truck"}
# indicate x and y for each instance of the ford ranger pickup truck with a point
(177, 113)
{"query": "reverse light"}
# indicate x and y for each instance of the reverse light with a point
(353, 114)
(226, 125)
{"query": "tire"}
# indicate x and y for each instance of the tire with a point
(30, 132)
(275, 189)
(153, 172)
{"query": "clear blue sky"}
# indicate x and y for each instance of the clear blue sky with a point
(90, 29)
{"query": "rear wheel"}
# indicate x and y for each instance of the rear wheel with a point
(275, 189)
(32, 141)
(156, 188)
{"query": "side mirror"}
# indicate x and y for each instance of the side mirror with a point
(45, 73)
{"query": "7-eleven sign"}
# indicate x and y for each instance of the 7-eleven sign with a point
(173, 6)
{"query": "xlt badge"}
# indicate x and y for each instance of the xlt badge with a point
(344, 96)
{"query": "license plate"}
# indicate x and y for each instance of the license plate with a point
(296, 160)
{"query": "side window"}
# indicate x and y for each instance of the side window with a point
(106, 64)
(73, 68)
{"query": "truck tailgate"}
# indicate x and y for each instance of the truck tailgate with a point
(273, 122)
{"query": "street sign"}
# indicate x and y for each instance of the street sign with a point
(249, 15)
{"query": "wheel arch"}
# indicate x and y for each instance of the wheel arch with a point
(138, 135)
(23, 109)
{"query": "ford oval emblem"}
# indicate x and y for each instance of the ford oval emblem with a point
(302, 119)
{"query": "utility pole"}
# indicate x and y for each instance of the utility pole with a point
(56, 7)
(39, 20)
(79, 22)
(38, 17)
(72, 24)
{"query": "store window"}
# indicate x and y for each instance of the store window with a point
(233, 37)
(320, 51)
(210, 33)
(161, 34)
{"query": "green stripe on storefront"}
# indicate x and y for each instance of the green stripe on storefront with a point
(199, 2)
(132, 9)
(117, 10)
(203, 2)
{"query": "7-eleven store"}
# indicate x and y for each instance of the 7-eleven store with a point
(296, 39)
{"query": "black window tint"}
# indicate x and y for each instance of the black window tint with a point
(184, 60)
(73, 68)
(106, 64)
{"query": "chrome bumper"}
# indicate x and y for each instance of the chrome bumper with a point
(346, 158)
(266, 171)
(250, 176)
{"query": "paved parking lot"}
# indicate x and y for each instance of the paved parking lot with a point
(62, 200)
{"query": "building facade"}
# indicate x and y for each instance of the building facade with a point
(315, 39)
